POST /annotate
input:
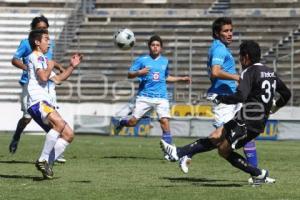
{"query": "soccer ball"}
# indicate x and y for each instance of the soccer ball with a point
(124, 39)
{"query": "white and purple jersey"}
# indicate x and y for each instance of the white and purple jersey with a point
(153, 84)
(23, 52)
(37, 90)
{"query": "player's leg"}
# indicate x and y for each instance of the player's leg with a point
(236, 141)
(142, 106)
(62, 142)
(39, 113)
(22, 123)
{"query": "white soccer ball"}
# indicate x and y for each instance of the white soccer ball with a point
(124, 39)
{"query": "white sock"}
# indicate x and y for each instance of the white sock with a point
(51, 138)
(59, 147)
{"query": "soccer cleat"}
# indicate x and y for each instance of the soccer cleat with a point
(268, 180)
(184, 163)
(117, 126)
(43, 167)
(61, 159)
(170, 150)
(13, 146)
(263, 178)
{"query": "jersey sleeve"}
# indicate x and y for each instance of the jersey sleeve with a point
(218, 56)
(285, 93)
(242, 92)
(137, 65)
(37, 62)
(21, 50)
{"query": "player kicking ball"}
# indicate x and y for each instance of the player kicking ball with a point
(257, 88)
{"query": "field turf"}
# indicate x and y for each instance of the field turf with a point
(128, 168)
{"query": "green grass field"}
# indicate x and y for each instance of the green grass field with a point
(132, 168)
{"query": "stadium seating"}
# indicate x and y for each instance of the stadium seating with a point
(177, 28)
(14, 26)
(185, 27)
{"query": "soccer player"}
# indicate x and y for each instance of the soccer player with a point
(224, 78)
(20, 61)
(152, 70)
(257, 88)
(59, 133)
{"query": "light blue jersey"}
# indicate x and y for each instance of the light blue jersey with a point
(153, 84)
(219, 54)
(23, 52)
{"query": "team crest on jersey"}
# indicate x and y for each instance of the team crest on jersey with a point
(156, 76)
(40, 59)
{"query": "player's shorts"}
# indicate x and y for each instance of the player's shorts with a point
(237, 134)
(24, 102)
(145, 104)
(39, 112)
(224, 113)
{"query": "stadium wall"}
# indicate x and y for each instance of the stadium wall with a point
(96, 118)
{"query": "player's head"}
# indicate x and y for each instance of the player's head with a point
(39, 40)
(40, 22)
(222, 29)
(155, 45)
(249, 53)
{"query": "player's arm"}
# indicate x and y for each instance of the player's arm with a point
(44, 74)
(74, 62)
(285, 94)
(172, 79)
(137, 69)
(217, 72)
(141, 72)
(17, 58)
(243, 90)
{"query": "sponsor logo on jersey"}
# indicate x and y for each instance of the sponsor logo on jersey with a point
(156, 76)
(267, 74)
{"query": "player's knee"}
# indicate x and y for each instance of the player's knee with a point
(132, 121)
(26, 120)
(68, 134)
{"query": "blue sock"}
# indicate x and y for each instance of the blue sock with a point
(167, 137)
(250, 153)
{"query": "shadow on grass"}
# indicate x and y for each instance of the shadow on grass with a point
(16, 162)
(204, 182)
(129, 157)
(34, 178)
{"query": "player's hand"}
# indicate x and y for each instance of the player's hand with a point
(212, 97)
(186, 79)
(75, 60)
(274, 108)
(143, 71)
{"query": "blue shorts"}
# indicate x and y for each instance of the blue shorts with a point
(39, 112)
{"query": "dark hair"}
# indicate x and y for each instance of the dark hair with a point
(252, 49)
(218, 24)
(36, 35)
(37, 20)
(155, 38)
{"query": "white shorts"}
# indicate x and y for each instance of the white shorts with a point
(24, 101)
(224, 113)
(145, 104)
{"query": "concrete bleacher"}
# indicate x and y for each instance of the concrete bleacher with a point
(15, 26)
(177, 28)
(238, 4)
(203, 4)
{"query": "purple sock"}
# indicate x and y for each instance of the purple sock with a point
(250, 153)
(167, 137)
